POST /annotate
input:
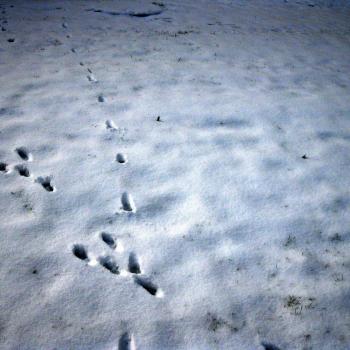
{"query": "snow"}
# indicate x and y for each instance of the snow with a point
(185, 174)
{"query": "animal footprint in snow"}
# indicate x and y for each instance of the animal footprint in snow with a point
(46, 183)
(110, 264)
(22, 170)
(110, 125)
(269, 346)
(128, 202)
(80, 252)
(4, 167)
(148, 285)
(121, 158)
(126, 342)
(111, 241)
(24, 154)
(92, 78)
(134, 264)
(101, 98)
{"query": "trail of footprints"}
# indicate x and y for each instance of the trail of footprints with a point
(121, 158)
(80, 251)
(127, 205)
(23, 170)
(109, 262)
(127, 201)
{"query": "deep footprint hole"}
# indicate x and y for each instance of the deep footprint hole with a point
(23, 170)
(80, 252)
(134, 264)
(46, 183)
(110, 264)
(269, 346)
(109, 240)
(3, 167)
(148, 285)
(126, 342)
(128, 202)
(121, 158)
(23, 153)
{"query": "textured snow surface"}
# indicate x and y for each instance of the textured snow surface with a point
(174, 175)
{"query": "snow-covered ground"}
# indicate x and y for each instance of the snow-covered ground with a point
(174, 175)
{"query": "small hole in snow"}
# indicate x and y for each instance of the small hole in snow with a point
(23, 153)
(134, 264)
(80, 252)
(148, 285)
(23, 170)
(121, 158)
(3, 167)
(108, 239)
(46, 183)
(269, 346)
(109, 263)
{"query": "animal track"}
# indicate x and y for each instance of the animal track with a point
(110, 264)
(101, 98)
(80, 252)
(126, 342)
(134, 264)
(128, 202)
(148, 285)
(22, 170)
(24, 153)
(46, 183)
(92, 78)
(110, 125)
(3, 167)
(121, 158)
(109, 240)
(269, 346)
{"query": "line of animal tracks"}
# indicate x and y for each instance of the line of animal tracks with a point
(108, 262)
